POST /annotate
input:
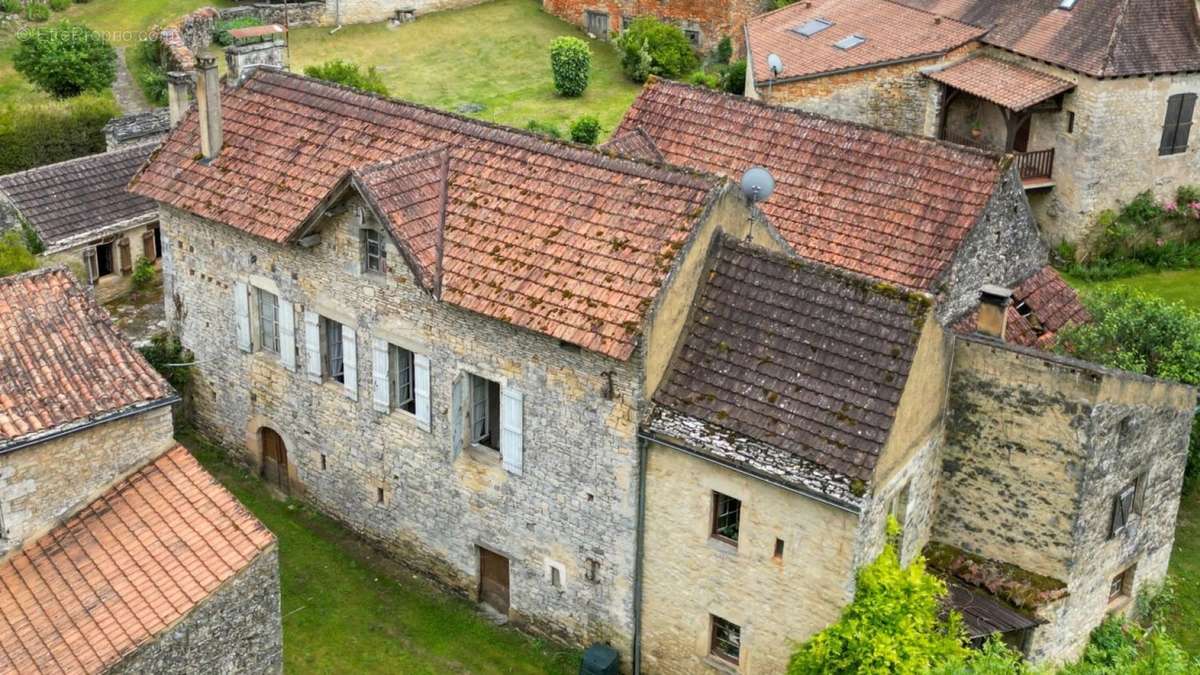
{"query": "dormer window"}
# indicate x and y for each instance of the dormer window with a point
(812, 27)
(1066, 4)
(373, 252)
(849, 42)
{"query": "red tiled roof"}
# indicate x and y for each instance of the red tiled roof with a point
(1041, 306)
(885, 205)
(123, 569)
(61, 359)
(1003, 83)
(1102, 38)
(634, 143)
(893, 32)
(551, 237)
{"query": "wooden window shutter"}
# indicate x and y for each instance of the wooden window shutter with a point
(312, 345)
(126, 257)
(421, 390)
(241, 311)
(91, 264)
(148, 245)
(458, 392)
(1183, 128)
(511, 430)
(287, 332)
(1177, 125)
(350, 362)
(380, 380)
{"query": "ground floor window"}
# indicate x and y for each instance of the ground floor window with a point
(726, 640)
(1121, 586)
(104, 260)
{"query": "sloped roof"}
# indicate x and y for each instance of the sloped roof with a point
(1042, 305)
(1102, 38)
(62, 362)
(128, 128)
(1001, 82)
(796, 355)
(73, 198)
(552, 237)
(886, 205)
(892, 32)
(634, 143)
(123, 569)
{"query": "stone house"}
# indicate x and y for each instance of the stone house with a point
(85, 218)
(167, 570)
(1094, 100)
(704, 22)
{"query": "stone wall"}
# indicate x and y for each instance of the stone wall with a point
(123, 237)
(292, 14)
(39, 484)
(236, 629)
(713, 19)
(368, 11)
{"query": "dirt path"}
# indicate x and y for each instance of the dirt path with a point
(128, 94)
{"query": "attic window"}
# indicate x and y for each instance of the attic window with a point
(812, 27)
(1067, 4)
(850, 42)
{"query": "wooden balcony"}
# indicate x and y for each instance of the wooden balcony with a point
(1036, 168)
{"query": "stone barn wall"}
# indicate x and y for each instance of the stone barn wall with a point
(368, 11)
(713, 19)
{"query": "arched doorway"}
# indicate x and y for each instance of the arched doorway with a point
(274, 459)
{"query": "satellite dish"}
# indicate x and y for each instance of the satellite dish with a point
(775, 64)
(758, 185)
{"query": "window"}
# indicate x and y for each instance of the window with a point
(378, 495)
(778, 550)
(1070, 122)
(1125, 504)
(373, 253)
(1121, 586)
(898, 506)
(1178, 124)
(324, 462)
(726, 642)
(401, 379)
(849, 42)
(104, 260)
(727, 513)
(332, 362)
(484, 411)
(812, 27)
(268, 320)
(693, 37)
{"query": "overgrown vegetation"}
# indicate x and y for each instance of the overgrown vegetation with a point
(571, 65)
(146, 67)
(543, 128)
(33, 135)
(653, 47)
(221, 34)
(586, 130)
(349, 74)
(66, 59)
(165, 354)
(144, 274)
(14, 257)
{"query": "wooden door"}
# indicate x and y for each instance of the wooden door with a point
(274, 462)
(493, 580)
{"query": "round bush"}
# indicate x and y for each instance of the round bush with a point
(651, 47)
(586, 130)
(37, 12)
(10, 6)
(571, 63)
(735, 78)
(65, 59)
(59, 5)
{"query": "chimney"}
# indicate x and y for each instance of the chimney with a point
(993, 310)
(208, 101)
(179, 94)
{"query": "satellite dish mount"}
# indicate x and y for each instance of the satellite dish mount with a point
(775, 65)
(757, 186)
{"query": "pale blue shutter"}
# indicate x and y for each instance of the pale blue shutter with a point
(312, 344)
(457, 392)
(350, 361)
(511, 430)
(241, 311)
(421, 389)
(287, 334)
(379, 376)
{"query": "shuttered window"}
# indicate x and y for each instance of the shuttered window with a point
(268, 321)
(333, 365)
(401, 379)
(1123, 509)
(1178, 125)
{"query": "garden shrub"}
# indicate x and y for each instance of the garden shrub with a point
(735, 78)
(571, 64)
(543, 128)
(10, 6)
(652, 47)
(165, 350)
(14, 257)
(66, 59)
(221, 34)
(44, 133)
(1122, 646)
(37, 12)
(586, 130)
(701, 78)
(349, 74)
(145, 64)
(724, 51)
(59, 5)
(143, 274)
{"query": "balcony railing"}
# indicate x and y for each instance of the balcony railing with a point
(1035, 165)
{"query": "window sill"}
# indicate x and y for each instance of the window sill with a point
(1118, 605)
(410, 418)
(719, 664)
(722, 545)
(483, 454)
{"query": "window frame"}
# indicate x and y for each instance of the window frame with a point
(717, 626)
(331, 351)
(372, 237)
(271, 346)
(1174, 124)
(1126, 504)
(720, 512)
(1120, 586)
(401, 361)
(110, 247)
(483, 412)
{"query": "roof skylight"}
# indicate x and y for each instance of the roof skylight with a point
(812, 27)
(1066, 4)
(850, 42)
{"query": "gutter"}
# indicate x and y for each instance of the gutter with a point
(643, 455)
(92, 423)
(855, 69)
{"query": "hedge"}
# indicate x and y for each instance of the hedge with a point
(33, 135)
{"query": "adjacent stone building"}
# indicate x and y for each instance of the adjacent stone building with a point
(1094, 100)
(704, 22)
(166, 570)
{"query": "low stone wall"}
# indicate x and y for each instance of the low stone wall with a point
(294, 15)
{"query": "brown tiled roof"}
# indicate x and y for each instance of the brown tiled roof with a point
(1102, 38)
(634, 143)
(893, 32)
(1041, 306)
(123, 569)
(885, 205)
(551, 237)
(1003, 83)
(796, 355)
(983, 614)
(61, 360)
(79, 196)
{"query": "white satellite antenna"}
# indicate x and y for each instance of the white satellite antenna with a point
(775, 65)
(757, 185)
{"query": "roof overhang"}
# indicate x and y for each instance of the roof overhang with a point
(1006, 84)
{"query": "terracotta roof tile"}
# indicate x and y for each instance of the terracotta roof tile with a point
(889, 206)
(1003, 83)
(1042, 305)
(61, 360)
(551, 237)
(892, 32)
(634, 143)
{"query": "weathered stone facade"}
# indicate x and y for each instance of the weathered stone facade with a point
(367, 11)
(706, 20)
(247, 606)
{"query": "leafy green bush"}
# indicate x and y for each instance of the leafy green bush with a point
(44, 133)
(652, 47)
(14, 257)
(724, 51)
(31, 239)
(349, 74)
(37, 12)
(221, 34)
(735, 78)
(10, 6)
(164, 353)
(701, 78)
(571, 64)
(59, 5)
(1141, 236)
(146, 67)
(543, 128)
(1121, 646)
(66, 59)
(586, 130)
(143, 274)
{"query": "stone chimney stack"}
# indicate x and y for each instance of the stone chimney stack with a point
(179, 95)
(993, 310)
(208, 101)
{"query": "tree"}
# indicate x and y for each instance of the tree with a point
(349, 74)
(14, 257)
(652, 47)
(66, 59)
(571, 64)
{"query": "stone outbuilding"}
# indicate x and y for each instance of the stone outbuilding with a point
(166, 571)
(704, 22)
(136, 129)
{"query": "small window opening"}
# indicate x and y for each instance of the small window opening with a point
(555, 577)
(1124, 506)
(727, 513)
(1070, 122)
(484, 411)
(778, 549)
(726, 642)
(812, 27)
(1121, 586)
(849, 42)
(323, 463)
(373, 251)
(104, 259)
(379, 495)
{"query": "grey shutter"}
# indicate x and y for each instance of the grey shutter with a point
(457, 391)
(1166, 144)
(287, 334)
(241, 311)
(1183, 128)
(312, 344)
(421, 390)
(350, 362)
(92, 265)
(511, 430)
(379, 376)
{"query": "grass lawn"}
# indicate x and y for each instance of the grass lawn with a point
(348, 609)
(1181, 285)
(495, 54)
